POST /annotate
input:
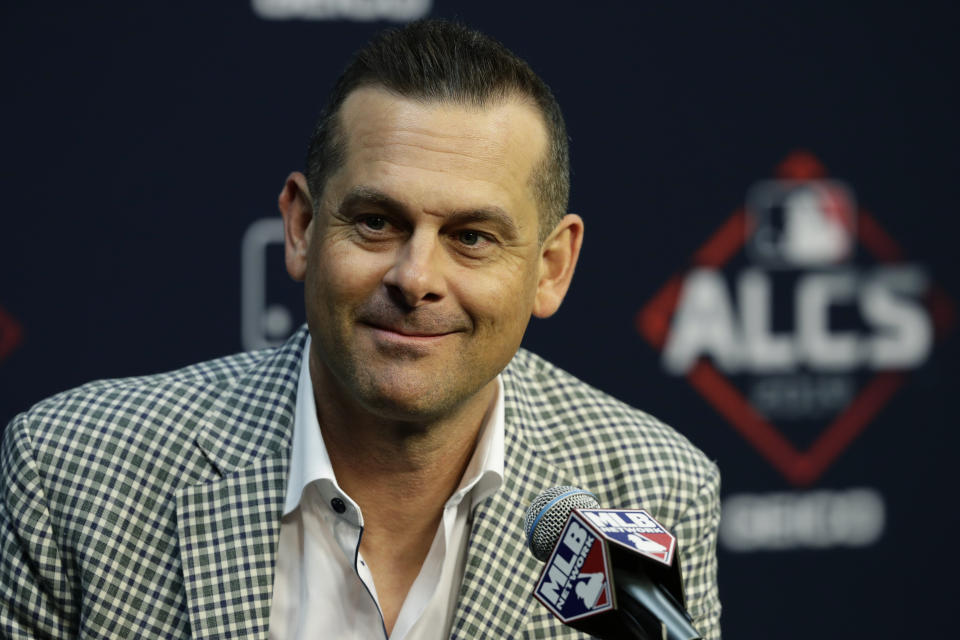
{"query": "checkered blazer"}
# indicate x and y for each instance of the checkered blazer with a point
(150, 507)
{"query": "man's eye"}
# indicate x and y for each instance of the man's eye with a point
(376, 223)
(469, 238)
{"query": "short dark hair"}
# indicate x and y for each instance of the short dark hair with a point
(446, 62)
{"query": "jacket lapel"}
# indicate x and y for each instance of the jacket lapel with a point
(228, 531)
(500, 572)
(228, 528)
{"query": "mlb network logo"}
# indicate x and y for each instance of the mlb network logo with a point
(574, 583)
(798, 319)
(635, 530)
(578, 580)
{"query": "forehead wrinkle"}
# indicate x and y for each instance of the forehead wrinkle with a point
(469, 155)
(496, 171)
(491, 118)
(428, 146)
(521, 191)
(516, 193)
(486, 142)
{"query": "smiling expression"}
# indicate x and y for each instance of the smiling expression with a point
(422, 261)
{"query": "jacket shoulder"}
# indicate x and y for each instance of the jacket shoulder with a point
(127, 421)
(604, 443)
(121, 395)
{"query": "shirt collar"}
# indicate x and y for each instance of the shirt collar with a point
(310, 462)
(484, 473)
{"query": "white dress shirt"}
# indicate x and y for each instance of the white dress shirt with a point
(322, 587)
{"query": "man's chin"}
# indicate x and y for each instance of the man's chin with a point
(412, 406)
(418, 399)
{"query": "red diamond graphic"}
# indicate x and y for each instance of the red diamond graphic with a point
(800, 468)
(11, 334)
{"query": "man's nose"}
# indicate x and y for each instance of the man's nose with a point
(416, 276)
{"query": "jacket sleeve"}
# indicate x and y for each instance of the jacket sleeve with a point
(36, 600)
(697, 529)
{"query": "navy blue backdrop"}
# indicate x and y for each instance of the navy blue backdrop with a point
(769, 264)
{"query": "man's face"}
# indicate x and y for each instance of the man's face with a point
(422, 262)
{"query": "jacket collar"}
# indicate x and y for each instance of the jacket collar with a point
(254, 414)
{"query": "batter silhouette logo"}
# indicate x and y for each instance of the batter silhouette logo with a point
(798, 319)
(634, 529)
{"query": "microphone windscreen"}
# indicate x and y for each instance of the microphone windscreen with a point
(547, 514)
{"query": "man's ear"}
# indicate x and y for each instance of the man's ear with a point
(296, 207)
(558, 259)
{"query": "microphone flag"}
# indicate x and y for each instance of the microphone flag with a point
(578, 580)
(575, 582)
(634, 529)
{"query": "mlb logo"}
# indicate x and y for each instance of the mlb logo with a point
(634, 529)
(800, 223)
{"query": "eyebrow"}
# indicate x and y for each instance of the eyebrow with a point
(498, 217)
(361, 195)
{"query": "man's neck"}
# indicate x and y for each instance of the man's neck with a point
(401, 474)
(401, 471)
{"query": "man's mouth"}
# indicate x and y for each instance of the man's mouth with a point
(410, 332)
(419, 328)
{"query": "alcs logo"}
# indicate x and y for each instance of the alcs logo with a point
(781, 318)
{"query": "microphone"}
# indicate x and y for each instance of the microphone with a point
(611, 573)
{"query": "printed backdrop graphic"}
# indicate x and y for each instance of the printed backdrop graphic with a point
(769, 262)
(10, 334)
(819, 228)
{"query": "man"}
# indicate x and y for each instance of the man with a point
(368, 478)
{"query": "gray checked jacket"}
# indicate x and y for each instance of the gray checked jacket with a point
(150, 506)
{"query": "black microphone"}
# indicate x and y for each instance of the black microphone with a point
(611, 573)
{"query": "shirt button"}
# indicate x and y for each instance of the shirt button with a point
(338, 505)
